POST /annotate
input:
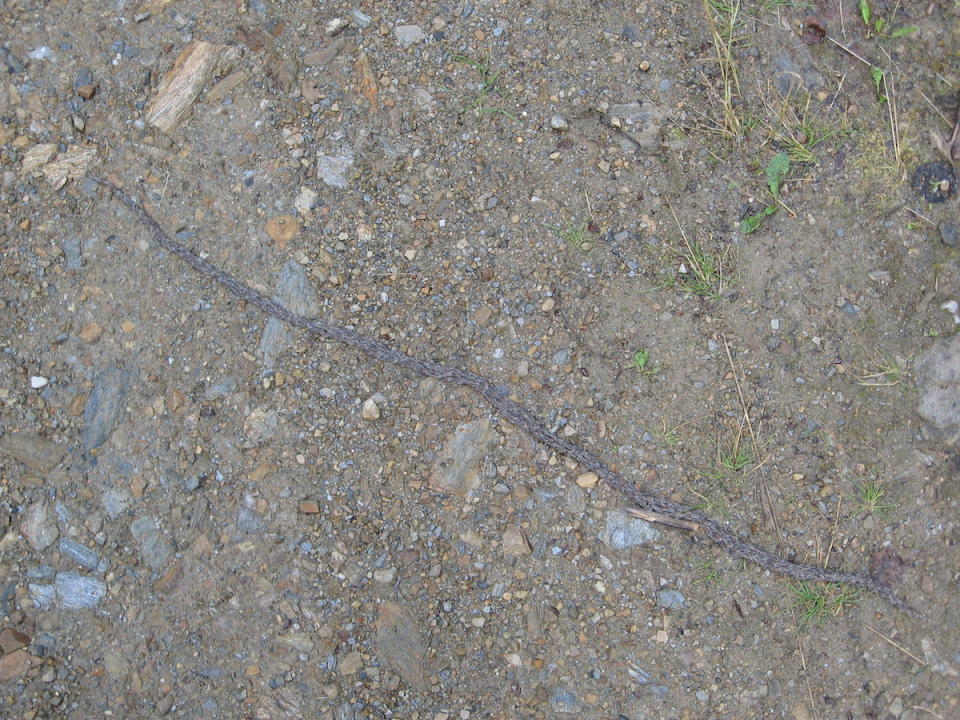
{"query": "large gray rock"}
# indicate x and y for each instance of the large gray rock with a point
(938, 379)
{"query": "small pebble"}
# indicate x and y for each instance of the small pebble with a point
(559, 123)
(370, 410)
(408, 35)
(515, 542)
(670, 599)
(336, 25)
(282, 229)
(949, 233)
(360, 19)
(385, 576)
(91, 333)
(587, 480)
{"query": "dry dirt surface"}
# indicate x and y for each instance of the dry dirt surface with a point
(715, 243)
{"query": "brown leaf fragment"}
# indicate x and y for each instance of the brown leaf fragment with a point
(255, 39)
(368, 83)
(814, 30)
(281, 71)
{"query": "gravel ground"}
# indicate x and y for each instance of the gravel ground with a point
(717, 249)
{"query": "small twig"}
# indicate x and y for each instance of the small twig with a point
(898, 646)
(922, 217)
(833, 533)
(663, 519)
(851, 52)
(921, 707)
(803, 664)
(892, 111)
(935, 108)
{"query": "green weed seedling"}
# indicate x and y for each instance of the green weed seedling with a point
(641, 363)
(670, 435)
(876, 74)
(707, 573)
(883, 27)
(776, 171)
(487, 87)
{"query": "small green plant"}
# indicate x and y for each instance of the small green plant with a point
(730, 463)
(883, 27)
(884, 371)
(800, 145)
(707, 573)
(575, 235)
(670, 435)
(486, 88)
(641, 363)
(736, 460)
(870, 498)
(816, 602)
(876, 74)
(776, 171)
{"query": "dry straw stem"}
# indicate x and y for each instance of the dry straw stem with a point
(723, 45)
(899, 647)
(764, 485)
(888, 91)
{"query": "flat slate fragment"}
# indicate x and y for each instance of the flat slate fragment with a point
(104, 406)
(32, 450)
(399, 644)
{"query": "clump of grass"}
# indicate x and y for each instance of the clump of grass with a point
(575, 235)
(723, 18)
(870, 498)
(730, 463)
(735, 460)
(670, 434)
(702, 272)
(816, 602)
(884, 371)
(488, 87)
(707, 573)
